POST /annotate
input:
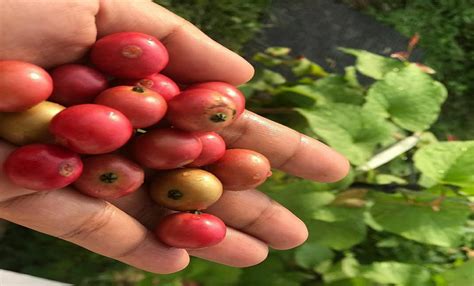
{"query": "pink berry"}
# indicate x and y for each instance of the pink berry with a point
(143, 107)
(109, 176)
(191, 230)
(167, 148)
(42, 167)
(201, 110)
(22, 85)
(225, 89)
(129, 55)
(213, 148)
(159, 83)
(76, 84)
(91, 128)
(241, 169)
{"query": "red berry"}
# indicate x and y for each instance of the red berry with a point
(143, 107)
(213, 148)
(159, 83)
(91, 128)
(190, 230)
(129, 55)
(109, 176)
(76, 84)
(42, 167)
(241, 169)
(22, 85)
(167, 148)
(201, 110)
(226, 89)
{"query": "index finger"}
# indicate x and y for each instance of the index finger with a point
(287, 149)
(194, 57)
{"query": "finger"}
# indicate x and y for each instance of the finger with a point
(93, 224)
(194, 57)
(286, 149)
(237, 249)
(251, 212)
(256, 214)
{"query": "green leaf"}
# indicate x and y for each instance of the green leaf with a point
(447, 162)
(301, 197)
(303, 67)
(420, 222)
(348, 129)
(411, 98)
(460, 276)
(387, 179)
(391, 272)
(336, 89)
(348, 267)
(272, 77)
(278, 51)
(311, 254)
(302, 95)
(271, 272)
(350, 76)
(337, 227)
(267, 60)
(373, 65)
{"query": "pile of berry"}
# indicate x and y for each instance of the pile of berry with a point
(116, 125)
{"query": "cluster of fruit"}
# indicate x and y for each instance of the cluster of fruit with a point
(143, 131)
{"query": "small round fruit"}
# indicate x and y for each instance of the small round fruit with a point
(186, 189)
(22, 85)
(190, 230)
(76, 84)
(109, 176)
(201, 110)
(159, 83)
(225, 89)
(166, 148)
(91, 128)
(213, 148)
(30, 126)
(42, 167)
(241, 169)
(129, 55)
(143, 107)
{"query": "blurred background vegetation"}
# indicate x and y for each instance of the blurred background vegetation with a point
(446, 29)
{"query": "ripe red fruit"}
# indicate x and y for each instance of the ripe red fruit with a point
(22, 85)
(43, 167)
(226, 89)
(241, 169)
(76, 84)
(166, 148)
(201, 110)
(143, 107)
(159, 83)
(213, 148)
(91, 128)
(129, 55)
(109, 176)
(191, 230)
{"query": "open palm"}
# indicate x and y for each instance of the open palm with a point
(50, 33)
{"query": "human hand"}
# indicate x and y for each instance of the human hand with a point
(50, 33)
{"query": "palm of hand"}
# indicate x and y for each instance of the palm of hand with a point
(60, 32)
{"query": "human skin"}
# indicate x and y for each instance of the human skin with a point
(50, 33)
